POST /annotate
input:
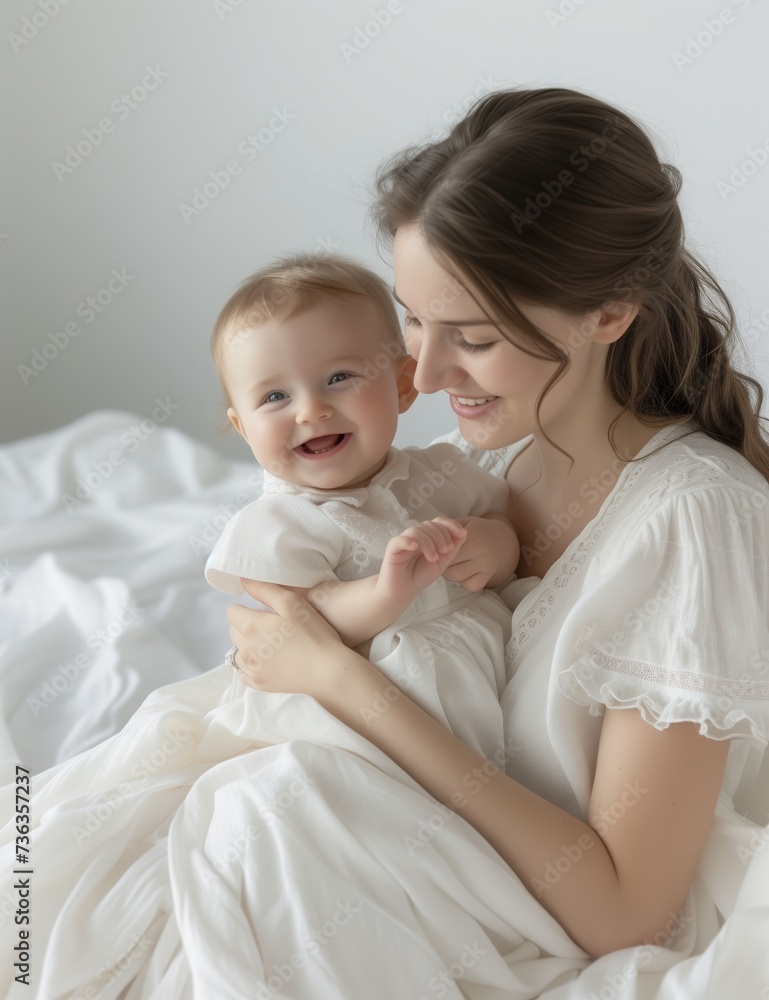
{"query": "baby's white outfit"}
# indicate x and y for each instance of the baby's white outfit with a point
(446, 651)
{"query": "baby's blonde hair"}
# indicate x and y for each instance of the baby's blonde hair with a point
(292, 284)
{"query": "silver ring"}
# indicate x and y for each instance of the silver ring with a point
(229, 657)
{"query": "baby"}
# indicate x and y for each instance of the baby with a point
(392, 546)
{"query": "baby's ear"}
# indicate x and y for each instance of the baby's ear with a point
(235, 421)
(406, 391)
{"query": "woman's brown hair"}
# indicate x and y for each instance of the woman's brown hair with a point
(555, 197)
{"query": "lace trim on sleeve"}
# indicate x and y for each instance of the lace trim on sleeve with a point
(688, 680)
(723, 707)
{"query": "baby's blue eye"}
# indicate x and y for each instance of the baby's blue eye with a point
(270, 397)
(342, 376)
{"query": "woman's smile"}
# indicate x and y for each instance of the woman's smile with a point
(472, 407)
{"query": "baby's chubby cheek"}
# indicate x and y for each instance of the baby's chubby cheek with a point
(377, 393)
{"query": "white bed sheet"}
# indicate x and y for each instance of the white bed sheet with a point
(130, 561)
(103, 600)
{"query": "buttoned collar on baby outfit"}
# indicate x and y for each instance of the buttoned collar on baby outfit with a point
(396, 467)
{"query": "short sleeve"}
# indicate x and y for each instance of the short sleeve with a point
(283, 539)
(465, 489)
(677, 624)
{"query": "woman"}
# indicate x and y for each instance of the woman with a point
(553, 197)
(538, 250)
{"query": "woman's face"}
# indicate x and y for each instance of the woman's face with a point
(491, 383)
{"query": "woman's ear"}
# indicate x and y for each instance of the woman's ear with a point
(613, 319)
(406, 391)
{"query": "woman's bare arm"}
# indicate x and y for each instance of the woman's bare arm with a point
(612, 882)
(653, 800)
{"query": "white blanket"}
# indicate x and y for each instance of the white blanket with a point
(103, 598)
(179, 858)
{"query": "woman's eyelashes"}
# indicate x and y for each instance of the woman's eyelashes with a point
(475, 348)
(461, 342)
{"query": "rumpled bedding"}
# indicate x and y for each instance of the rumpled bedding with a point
(172, 855)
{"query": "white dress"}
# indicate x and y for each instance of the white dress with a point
(446, 650)
(180, 860)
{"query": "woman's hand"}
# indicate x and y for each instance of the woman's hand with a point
(290, 649)
(490, 553)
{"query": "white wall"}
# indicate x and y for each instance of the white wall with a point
(224, 68)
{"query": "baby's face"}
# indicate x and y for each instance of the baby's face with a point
(311, 394)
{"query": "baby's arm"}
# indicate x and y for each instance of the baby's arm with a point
(359, 609)
(490, 554)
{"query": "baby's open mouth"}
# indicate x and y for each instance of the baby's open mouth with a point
(322, 445)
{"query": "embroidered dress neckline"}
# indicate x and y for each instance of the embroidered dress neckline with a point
(535, 605)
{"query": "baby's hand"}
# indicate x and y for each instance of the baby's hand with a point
(417, 557)
(488, 557)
